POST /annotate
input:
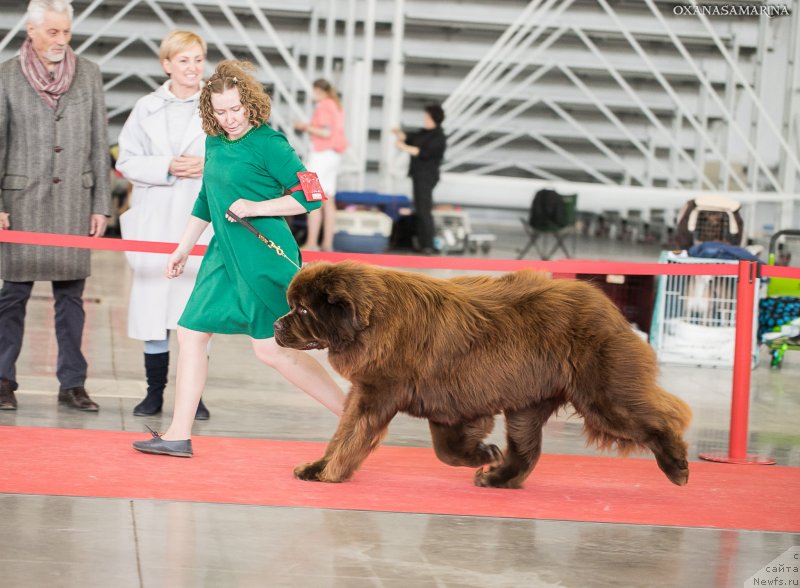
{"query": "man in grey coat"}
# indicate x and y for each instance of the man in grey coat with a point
(54, 175)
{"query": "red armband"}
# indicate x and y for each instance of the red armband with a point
(309, 184)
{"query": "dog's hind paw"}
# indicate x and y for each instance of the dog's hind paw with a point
(679, 477)
(677, 470)
(309, 472)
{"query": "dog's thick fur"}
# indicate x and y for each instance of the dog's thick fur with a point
(460, 351)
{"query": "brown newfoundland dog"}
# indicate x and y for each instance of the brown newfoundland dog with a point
(460, 351)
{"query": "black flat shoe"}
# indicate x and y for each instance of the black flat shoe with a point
(158, 446)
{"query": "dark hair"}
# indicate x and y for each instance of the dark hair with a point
(436, 113)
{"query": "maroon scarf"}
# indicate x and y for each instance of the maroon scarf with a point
(49, 85)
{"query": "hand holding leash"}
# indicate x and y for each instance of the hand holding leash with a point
(233, 217)
(241, 208)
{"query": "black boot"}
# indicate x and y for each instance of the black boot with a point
(156, 366)
(202, 413)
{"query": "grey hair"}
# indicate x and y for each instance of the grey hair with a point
(37, 8)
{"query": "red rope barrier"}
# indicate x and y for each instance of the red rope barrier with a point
(779, 271)
(562, 266)
(82, 242)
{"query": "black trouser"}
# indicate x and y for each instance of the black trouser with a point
(423, 205)
(69, 320)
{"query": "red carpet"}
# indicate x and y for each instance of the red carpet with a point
(397, 479)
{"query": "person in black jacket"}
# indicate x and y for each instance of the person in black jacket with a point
(426, 148)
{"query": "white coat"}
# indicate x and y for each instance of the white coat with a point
(160, 206)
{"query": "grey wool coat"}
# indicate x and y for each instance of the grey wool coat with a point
(54, 170)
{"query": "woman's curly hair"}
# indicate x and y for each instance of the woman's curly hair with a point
(234, 74)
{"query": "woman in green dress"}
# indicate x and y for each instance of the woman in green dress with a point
(241, 284)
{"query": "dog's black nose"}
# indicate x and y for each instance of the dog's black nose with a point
(278, 325)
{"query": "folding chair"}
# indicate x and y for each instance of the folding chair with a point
(553, 214)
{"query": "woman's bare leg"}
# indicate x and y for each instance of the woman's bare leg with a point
(303, 371)
(328, 223)
(191, 379)
(314, 222)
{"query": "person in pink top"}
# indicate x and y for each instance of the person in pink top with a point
(328, 142)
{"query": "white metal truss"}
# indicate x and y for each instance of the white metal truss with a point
(668, 160)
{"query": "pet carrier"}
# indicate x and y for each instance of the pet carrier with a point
(694, 319)
(779, 313)
(709, 218)
(454, 232)
(362, 231)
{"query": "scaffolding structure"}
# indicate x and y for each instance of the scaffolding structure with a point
(653, 95)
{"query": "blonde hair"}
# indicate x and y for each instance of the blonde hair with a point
(178, 41)
(329, 90)
(234, 74)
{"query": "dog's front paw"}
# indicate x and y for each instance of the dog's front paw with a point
(310, 472)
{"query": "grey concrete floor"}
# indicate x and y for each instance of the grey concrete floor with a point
(65, 541)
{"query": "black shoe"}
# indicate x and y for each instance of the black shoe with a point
(202, 413)
(157, 446)
(77, 398)
(7, 399)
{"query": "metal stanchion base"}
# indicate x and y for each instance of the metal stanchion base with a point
(747, 460)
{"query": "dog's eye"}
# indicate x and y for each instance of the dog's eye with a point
(302, 310)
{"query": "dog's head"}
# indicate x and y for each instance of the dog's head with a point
(330, 306)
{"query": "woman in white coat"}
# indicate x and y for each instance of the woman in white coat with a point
(161, 152)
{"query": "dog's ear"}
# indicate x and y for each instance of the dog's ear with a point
(357, 308)
(343, 286)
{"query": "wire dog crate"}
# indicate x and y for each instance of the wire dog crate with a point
(694, 319)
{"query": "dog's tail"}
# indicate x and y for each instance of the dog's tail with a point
(634, 424)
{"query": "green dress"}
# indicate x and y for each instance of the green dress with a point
(241, 285)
